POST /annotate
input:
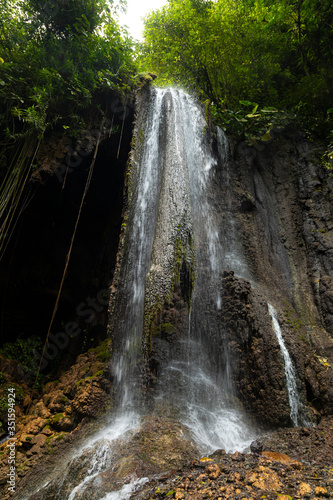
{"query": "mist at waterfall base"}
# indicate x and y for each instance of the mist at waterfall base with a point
(194, 384)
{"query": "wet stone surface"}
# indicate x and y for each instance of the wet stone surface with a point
(296, 464)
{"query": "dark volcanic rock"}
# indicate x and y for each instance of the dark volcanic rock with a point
(256, 447)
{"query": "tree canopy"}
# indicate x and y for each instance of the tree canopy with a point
(54, 57)
(257, 52)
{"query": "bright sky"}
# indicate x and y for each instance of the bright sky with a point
(135, 10)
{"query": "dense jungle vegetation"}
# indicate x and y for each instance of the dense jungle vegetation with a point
(255, 61)
(56, 58)
(247, 59)
(241, 56)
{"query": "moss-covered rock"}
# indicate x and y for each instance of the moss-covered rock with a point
(81, 393)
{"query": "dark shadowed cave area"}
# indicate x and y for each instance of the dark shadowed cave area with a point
(34, 262)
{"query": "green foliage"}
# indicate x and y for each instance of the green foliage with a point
(3, 406)
(275, 54)
(56, 418)
(4, 402)
(103, 352)
(55, 58)
(164, 329)
(22, 351)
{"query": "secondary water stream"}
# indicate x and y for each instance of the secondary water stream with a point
(293, 395)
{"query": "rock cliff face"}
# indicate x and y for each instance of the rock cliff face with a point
(30, 275)
(274, 203)
(282, 208)
(31, 270)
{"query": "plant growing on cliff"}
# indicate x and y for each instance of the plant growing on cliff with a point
(55, 57)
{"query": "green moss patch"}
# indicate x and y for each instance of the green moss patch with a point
(164, 329)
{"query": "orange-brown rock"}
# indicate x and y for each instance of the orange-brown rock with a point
(39, 440)
(213, 471)
(35, 425)
(41, 410)
(47, 431)
(304, 490)
(282, 458)
(265, 479)
(25, 439)
(321, 492)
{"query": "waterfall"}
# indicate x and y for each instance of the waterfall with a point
(293, 395)
(196, 382)
(142, 219)
(172, 238)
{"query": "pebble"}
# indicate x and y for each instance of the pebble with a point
(321, 492)
(304, 489)
(213, 471)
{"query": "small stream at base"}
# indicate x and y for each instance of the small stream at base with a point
(101, 446)
(127, 490)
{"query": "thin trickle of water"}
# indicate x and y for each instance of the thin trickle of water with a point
(83, 472)
(98, 463)
(293, 395)
(224, 152)
(232, 257)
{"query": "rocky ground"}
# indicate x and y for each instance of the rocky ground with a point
(296, 463)
(57, 416)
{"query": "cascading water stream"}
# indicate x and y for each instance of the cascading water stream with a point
(142, 220)
(293, 395)
(129, 320)
(170, 203)
(195, 383)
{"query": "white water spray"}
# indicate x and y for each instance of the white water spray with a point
(193, 383)
(293, 395)
(127, 490)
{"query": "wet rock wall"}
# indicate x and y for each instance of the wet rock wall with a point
(279, 199)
